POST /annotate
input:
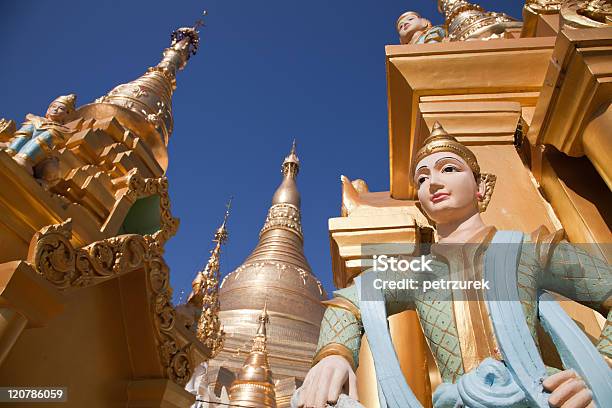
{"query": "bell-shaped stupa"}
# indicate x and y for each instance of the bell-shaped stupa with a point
(276, 273)
(253, 386)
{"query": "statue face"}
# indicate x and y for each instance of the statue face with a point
(447, 188)
(409, 24)
(57, 111)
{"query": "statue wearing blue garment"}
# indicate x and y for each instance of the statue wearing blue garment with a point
(34, 143)
(484, 340)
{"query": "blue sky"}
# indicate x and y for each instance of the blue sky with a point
(266, 72)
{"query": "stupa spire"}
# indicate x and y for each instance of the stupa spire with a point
(150, 96)
(285, 210)
(253, 386)
(205, 294)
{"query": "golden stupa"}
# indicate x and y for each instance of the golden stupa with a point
(276, 273)
(254, 387)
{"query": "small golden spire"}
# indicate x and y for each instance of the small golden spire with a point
(150, 96)
(468, 21)
(254, 386)
(205, 294)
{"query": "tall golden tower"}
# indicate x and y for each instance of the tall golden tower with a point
(278, 273)
(253, 386)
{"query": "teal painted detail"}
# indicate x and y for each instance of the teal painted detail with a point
(395, 391)
(511, 330)
(143, 217)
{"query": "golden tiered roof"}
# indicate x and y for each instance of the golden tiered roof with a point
(253, 387)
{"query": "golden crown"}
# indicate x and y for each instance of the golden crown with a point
(67, 100)
(440, 141)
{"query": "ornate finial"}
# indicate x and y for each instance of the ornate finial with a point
(221, 234)
(200, 22)
(466, 20)
(291, 164)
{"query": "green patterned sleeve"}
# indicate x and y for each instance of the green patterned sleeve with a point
(341, 328)
(584, 278)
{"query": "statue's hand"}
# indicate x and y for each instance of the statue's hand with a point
(568, 391)
(324, 382)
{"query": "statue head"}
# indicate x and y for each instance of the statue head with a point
(448, 178)
(61, 107)
(409, 24)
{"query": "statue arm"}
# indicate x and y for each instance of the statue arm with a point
(341, 327)
(21, 137)
(584, 278)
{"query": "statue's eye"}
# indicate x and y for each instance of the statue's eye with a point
(421, 180)
(449, 168)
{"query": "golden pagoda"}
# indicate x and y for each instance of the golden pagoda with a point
(85, 297)
(253, 387)
(277, 273)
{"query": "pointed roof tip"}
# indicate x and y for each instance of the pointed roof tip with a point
(221, 234)
(292, 157)
(293, 146)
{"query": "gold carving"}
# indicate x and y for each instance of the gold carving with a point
(543, 6)
(489, 182)
(283, 215)
(54, 257)
(7, 130)
(139, 187)
(469, 21)
(586, 13)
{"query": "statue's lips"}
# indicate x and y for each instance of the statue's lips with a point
(436, 198)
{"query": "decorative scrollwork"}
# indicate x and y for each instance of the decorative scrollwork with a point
(139, 187)
(54, 257)
(586, 13)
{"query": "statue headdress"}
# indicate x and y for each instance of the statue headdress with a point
(67, 100)
(440, 141)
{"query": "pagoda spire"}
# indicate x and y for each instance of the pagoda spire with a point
(150, 96)
(469, 21)
(285, 210)
(205, 294)
(253, 386)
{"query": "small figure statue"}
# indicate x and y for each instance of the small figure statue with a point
(414, 29)
(485, 346)
(32, 146)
